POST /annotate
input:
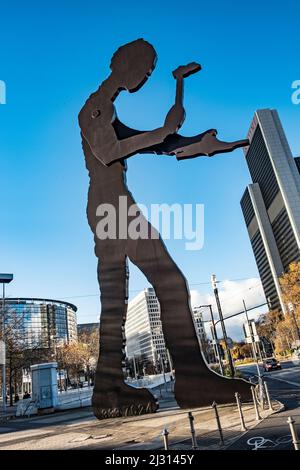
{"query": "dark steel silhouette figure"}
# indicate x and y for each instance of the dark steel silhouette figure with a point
(107, 143)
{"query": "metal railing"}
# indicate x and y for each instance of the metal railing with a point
(260, 398)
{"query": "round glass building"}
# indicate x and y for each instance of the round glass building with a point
(40, 322)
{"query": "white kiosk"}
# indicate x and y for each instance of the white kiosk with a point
(44, 386)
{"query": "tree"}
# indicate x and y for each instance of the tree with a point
(241, 350)
(284, 335)
(266, 325)
(79, 357)
(17, 355)
(90, 341)
(71, 358)
(15, 344)
(282, 330)
(290, 285)
(245, 350)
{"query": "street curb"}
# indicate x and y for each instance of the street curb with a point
(33, 417)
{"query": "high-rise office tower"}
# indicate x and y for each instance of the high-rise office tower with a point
(271, 204)
(199, 324)
(143, 329)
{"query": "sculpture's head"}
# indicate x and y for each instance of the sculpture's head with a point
(132, 64)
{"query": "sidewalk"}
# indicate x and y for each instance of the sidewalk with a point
(134, 433)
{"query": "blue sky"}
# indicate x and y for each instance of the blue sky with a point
(53, 54)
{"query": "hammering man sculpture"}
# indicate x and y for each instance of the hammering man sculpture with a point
(107, 143)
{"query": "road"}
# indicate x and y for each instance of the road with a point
(75, 416)
(273, 433)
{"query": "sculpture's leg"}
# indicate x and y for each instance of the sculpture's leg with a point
(111, 396)
(195, 385)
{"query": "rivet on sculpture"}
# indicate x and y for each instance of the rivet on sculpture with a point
(107, 144)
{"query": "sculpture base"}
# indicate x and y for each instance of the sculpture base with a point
(123, 401)
(129, 410)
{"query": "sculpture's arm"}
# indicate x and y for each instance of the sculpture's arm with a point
(140, 141)
(176, 115)
(131, 141)
(111, 142)
(205, 144)
(116, 141)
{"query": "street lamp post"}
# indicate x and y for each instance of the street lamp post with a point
(252, 341)
(161, 361)
(134, 366)
(216, 341)
(214, 337)
(170, 364)
(260, 382)
(4, 279)
(228, 353)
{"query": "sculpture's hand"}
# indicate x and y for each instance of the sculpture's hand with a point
(205, 144)
(176, 115)
(185, 70)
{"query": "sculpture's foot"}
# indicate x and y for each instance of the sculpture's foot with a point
(204, 388)
(122, 400)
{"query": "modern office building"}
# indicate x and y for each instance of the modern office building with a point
(199, 324)
(271, 204)
(143, 329)
(206, 345)
(88, 327)
(40, 323)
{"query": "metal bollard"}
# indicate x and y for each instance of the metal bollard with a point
(194, 440)
(258, 417)
(268, 396)
(215, 407)
(239, 405)
(291, 423)
(165, 435)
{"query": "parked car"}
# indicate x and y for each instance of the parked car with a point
(271, 364)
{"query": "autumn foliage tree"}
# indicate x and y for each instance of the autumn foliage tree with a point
(90, 340)
(284, 335)
(267, 324)
(282, 329)
(79, 357)
(290, 286)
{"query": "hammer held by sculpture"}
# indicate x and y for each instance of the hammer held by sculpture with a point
(107, 143)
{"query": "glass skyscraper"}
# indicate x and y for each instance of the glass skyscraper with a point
(143, 328)
(40, 323)
(271, 204)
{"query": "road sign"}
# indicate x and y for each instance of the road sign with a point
(2, 353)
(250, 332)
